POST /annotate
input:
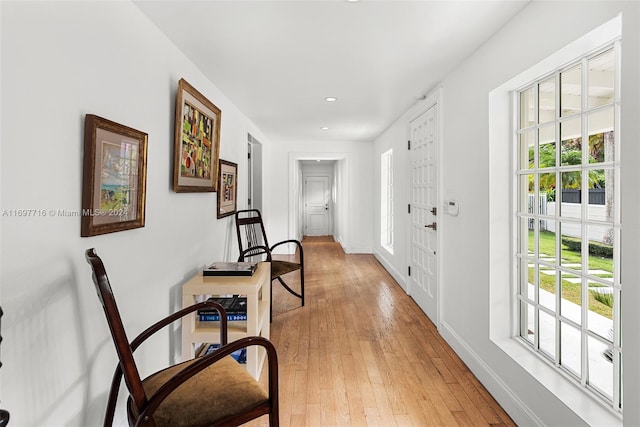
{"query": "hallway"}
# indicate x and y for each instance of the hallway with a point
(361, 352)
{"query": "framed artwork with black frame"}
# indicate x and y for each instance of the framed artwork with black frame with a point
(228, 189)
(196, 141)
(114, 177)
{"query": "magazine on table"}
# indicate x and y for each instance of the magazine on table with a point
(231, 269)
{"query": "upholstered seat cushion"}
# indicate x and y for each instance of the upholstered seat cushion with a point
(223, 389)
(279, 268)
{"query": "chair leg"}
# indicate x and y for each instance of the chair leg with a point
(291, 291)
(302, 285)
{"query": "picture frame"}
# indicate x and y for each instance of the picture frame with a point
(228, 188)
(114, 177)
(196, 141)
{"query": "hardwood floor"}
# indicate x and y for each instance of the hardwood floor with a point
(362, 353)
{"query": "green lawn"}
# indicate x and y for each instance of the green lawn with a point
(570, 291)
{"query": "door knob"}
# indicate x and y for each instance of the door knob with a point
(433, 226)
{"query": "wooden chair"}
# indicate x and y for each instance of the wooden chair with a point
(212, 390)
(252, 241)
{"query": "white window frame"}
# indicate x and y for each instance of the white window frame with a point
(526, 298)
(386, 200)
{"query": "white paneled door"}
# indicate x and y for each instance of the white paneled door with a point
(423, 279)
(316, 205)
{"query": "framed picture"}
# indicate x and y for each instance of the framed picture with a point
(114, 177)
(197, 141)
(228, 191)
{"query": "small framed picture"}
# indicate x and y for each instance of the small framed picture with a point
(228, 189)
(196, 142)
(114, 177)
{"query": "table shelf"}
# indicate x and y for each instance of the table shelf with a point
(257, 290)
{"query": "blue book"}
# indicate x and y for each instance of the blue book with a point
(214, 317)
(239, 355)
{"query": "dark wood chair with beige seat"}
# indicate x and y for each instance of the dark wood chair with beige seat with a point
(212, 390)
(252, 242)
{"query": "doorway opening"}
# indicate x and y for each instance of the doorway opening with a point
(328, 203)
(317, 176)
(254, 179)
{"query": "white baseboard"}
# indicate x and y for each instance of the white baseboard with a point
(397, 276)
(357, 250)
(510, 402)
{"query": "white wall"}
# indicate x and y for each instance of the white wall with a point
(466, 238)
(61, 60)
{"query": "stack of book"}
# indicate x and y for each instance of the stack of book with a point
(231, 269)
(235, 306)
(240, 355)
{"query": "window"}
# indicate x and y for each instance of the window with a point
(386, 200)
(568, 221)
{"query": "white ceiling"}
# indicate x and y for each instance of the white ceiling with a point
(278, 60)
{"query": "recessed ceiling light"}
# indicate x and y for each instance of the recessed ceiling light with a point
(331, 99)
(324, 128)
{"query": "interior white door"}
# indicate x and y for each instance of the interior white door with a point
(423, 279)
(316, 205)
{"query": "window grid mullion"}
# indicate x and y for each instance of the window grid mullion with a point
(584, 188)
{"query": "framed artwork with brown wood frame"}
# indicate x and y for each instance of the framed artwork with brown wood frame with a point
(196, 142)
(114, 177)
(228, 188)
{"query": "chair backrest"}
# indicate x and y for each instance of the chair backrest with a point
(250, 230)
(125, 355)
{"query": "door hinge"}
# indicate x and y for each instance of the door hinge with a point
(409, 270)
(248, 155)
(249, 201)
(409, 208)
(409, 145)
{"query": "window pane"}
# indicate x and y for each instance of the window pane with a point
(527, 150)
(527, 108)
(571, 293)
(571, 91)
(601, 79)
(527, 321)
(547, 334)
(547, 135)
(547, 100)
(600, 366)
(601, 203)
(547, 287)
(601, 142)
(570, 351)
(571, 196)
(571, 248)
(527, 269)
(601, 252)
(547, 242)
(547, 190)
(571, 137)
(547, 150)
(600, 315)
